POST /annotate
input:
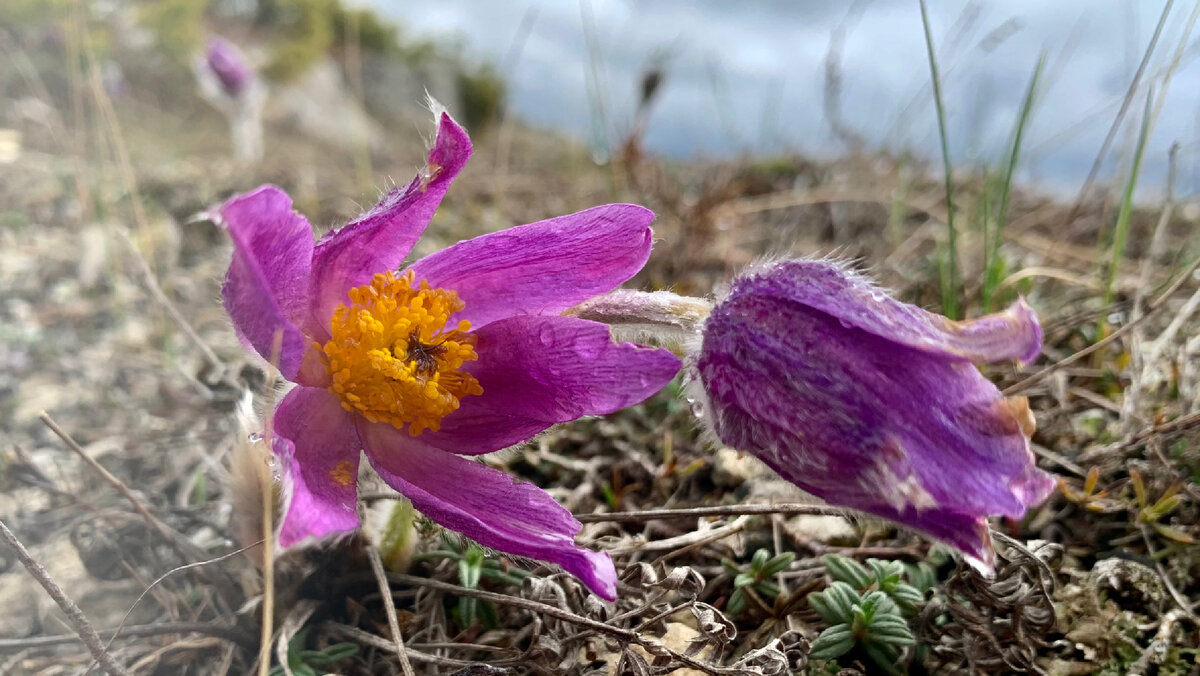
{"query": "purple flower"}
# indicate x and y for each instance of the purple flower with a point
(873, 404)
(464, 352)
(228, 65)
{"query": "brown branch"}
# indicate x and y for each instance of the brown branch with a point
(389, 606)
(785, 509)
(229, 633)
(75, 616)
(525, 604)
(154, 522)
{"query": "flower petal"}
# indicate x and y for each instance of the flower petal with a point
(266, 287)
(538, 371)
(318, 448)
(486, 505)
(833, 289)
(544, 267)
(378, 240)
(861, 420)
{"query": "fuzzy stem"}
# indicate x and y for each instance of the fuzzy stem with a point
(662, 317)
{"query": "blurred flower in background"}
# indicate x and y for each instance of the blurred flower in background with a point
(229, 83)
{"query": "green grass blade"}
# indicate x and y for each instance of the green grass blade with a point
(1121, 230)
(993, 266)
(948, 265)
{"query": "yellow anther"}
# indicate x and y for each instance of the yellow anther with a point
(343, 473)
(391, 358)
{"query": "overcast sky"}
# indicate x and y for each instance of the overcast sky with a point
(749, 76)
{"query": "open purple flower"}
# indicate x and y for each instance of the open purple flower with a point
(462, 353)
(871, 403)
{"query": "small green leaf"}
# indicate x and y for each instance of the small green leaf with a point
(466, 611)
(832, 643)
(887, 573)
(769, 589)
(835, 603)
(880, 603)
(921, 575)
(759, 560)
(846, 569)
(883, 655)
(862, 619)
(907, 597)
(845, 597)
(743, 580)
(737, 602)
(893, 639)
(820, 606)
(488, 616)
(778, 564)
(890, 625)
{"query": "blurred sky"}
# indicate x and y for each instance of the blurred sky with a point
(749, 76)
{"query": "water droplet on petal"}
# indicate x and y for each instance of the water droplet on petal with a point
(273, 464)
(254, 437)
(546, 336)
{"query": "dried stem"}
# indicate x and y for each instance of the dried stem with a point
(75, 616)
(526, 604)
(223, 631)
(1100, 344)
(389, 605)
(159, 527)
(786, 509)
(156, 290)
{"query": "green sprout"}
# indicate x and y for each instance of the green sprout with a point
(885, 576)
(872, 621)
(867, 607)
(474, 565)
(753, 582)
(302, 662)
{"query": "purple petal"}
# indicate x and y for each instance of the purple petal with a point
(266, 288)
(544, 267)
(538, 371)
(862, 420)
(318, 448)
(830, 288)
(486, 505)
(378, 240)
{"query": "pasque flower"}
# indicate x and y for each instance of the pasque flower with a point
(464, 352)
(870, 403)
(228, 65)
(229, 83)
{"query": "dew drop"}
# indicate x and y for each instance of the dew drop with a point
(273, 465)
(254, 437)
(546, 336)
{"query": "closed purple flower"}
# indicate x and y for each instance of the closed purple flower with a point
(464, 352)
(873, 404)
(228, 65)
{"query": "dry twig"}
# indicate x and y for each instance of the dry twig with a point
(389, 606)
(75, 616)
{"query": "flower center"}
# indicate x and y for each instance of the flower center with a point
(391, 358)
